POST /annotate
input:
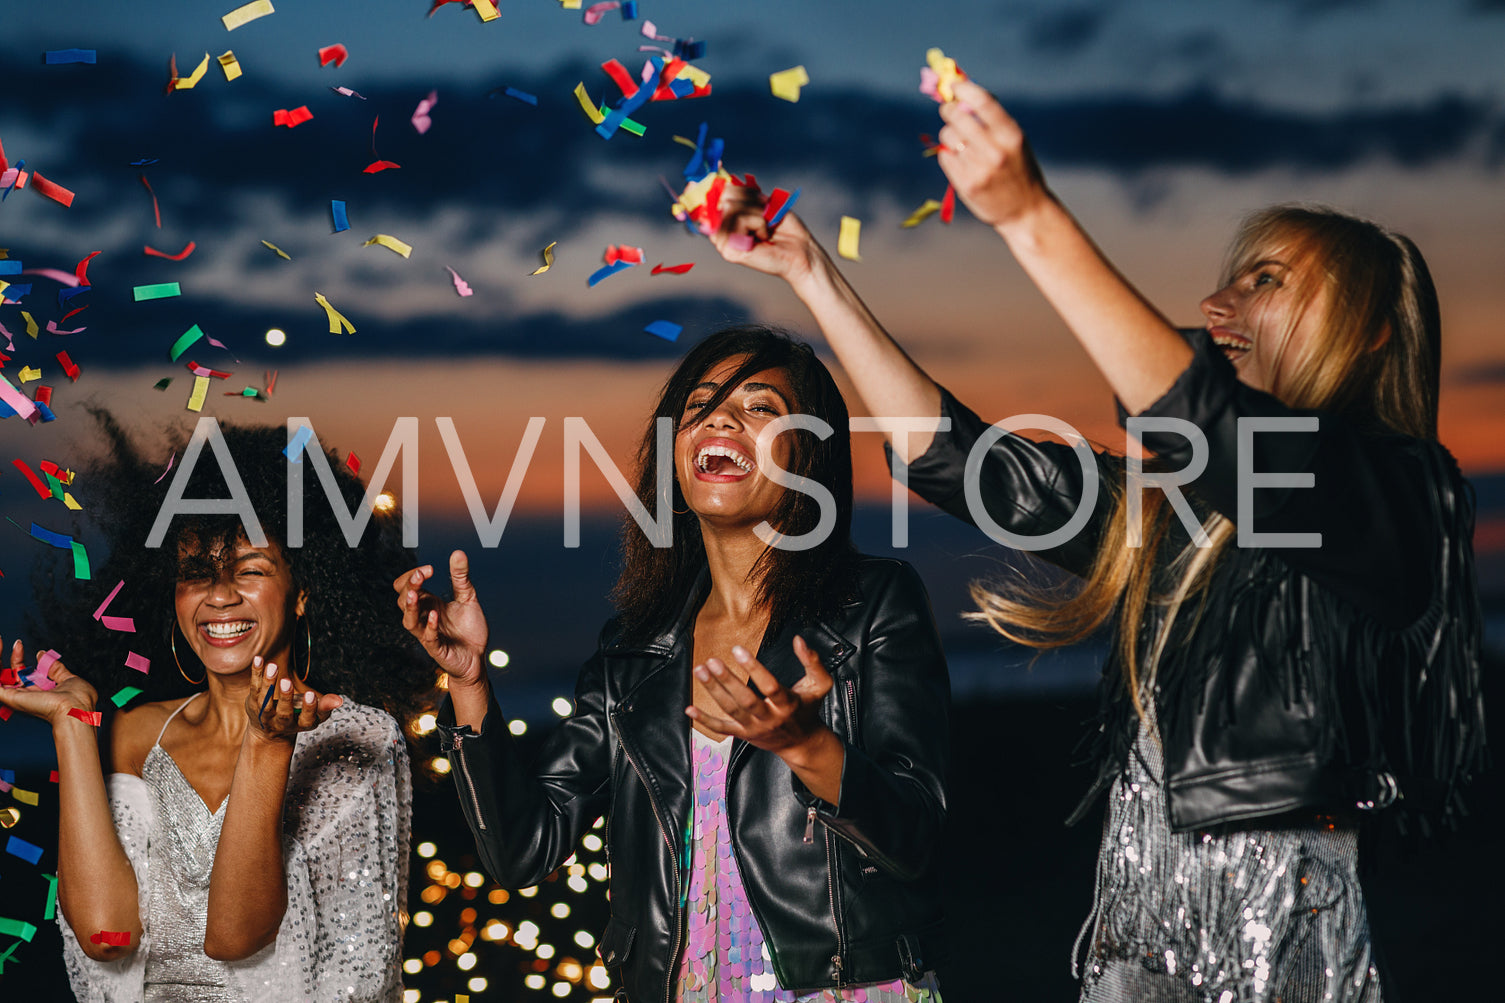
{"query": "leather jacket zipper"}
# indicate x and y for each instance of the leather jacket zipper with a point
(679, 920)
(835, 918)
(809, 825)
(458, 748)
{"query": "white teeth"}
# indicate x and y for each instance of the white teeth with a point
(703, 458)
(227, 630)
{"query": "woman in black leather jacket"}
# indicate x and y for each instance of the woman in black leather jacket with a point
(772, 820)
(1297, 629)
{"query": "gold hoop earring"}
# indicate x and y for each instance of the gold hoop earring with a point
(308, 661)
(173, 643)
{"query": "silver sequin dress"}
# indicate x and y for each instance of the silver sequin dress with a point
(1224, 916)
(345, 850)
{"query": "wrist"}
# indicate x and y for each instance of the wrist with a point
(814, 749)
(1023, 230)
(262, 743)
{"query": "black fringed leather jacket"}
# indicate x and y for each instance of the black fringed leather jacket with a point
(1326, 678)
(843, 893)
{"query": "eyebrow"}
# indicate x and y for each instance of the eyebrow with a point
(748, 387)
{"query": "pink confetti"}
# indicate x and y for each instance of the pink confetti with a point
(461, 286)
(421, 120)
(52, 328)
(124, 624)
(163, 474)
(55, 274)
(741, 241)
(596, 11)
(109, 599)
(137, 662)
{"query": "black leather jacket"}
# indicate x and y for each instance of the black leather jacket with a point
(843, 893)
(1313, 678)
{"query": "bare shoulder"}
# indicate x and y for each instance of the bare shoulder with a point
(133, 733)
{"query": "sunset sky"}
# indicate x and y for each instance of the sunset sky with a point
(1159, 123)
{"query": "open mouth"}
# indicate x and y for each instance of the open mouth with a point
(1234, 346)
(719, 460)
(227, 631)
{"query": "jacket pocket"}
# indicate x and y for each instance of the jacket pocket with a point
(616, 943)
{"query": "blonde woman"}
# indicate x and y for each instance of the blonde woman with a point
(1296, 626)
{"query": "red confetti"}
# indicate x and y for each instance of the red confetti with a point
(336, 54)
(380, 165)
(91, 717)
(631, 255)
(109, 937)
(69, 366)
(81, 270)
(185, 252)
(293, 118)
(156, 210)
(198, 370)
(36, 482)
(53, 778)
(70, 313)
(4, 711)
(948, 205)
(44, 396)
(621, 78)
(354, 463)
(775, 203)
(9, 677)
(673, 269)
(51, 189)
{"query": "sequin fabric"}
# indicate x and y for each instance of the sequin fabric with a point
(725, 958)
(345, 850)
(1226, 916)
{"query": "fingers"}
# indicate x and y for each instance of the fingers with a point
(17, 655)
(773, 692)
(411, 579)
(817, 682)
(730, 693)
(459, 577)
(973, 100)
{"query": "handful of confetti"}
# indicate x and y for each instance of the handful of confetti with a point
(698, 205)
(938, 77)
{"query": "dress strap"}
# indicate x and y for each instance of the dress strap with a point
(174, 714)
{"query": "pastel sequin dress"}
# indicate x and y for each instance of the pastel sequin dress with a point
(725, 959)
(345, 850)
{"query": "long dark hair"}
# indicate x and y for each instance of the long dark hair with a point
(655, 582)
(358, 646)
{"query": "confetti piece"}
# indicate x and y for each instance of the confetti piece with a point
(138, 662)
(778, 206)
(631, 255)
(486, 9)
(336, 54)
(27, 797)
(461, 286)
(29, 374)
(741, 242)
(126, 694)
(347, 92)
(16, 928)
(180, 346)
(587, 105)
(846, 243)
(354, 463)
(156, 209)
(109, 937)
(337, 320)
(294, 449)
(109, 598)
(200, 391)
(51, 909)
(81, 569)
(191, 81)
(58, 57)
(596, 11)
(948, 205)
(52, 190)
(672, 269)
(607, 272)
(18, 847)
(292, 119)
(230, 65)
(18, 402)
(786, 84)
(380, 165)
(52, 328)
(244, 15)
(145, 163)
(69, 366)
(523, 96)
(154, 253)
(280, 252)
(421, 120)
(391, 243)
(198, 370)
(162, 385)
(937, 78)
(337, 210)
(548, 260)
(664, 329)
(161, 290)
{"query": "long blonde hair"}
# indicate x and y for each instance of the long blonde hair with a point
(1374, 360)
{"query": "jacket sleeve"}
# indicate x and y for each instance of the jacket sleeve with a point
(1026, 487)
(526, 822)
(893, 798)
(1367, 497)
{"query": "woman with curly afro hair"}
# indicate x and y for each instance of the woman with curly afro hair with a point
(268, 727)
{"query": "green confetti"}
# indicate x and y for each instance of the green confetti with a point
(162, 290)
(125, 696)
(51, 910)
(627, 124)
(163, 383)
(7, 955)
(16, 928)
(80, 562)
(182, 344)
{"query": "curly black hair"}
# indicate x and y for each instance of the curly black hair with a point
(358, 646)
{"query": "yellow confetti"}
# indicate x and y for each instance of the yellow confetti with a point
(694, 74)
(25, 797)
(388, 241)
(191, 81)
(685, 141)
(4, 285)
(587, 105)
(486, 9)
(4, 253)
(28, 374)
(786, 84)
(31, 325)
(927, 209)
(569, 4)
(846, 244)
(72, 502)
(230, 64)
(200, 391)
(946, 73)
(548, 260)
(247, 13)
(288, 257)
(336, 319)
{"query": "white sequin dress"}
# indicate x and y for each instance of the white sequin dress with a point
(345, 850)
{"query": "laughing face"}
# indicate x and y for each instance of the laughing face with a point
(1269, 318)
(232, 606)
(716, 452)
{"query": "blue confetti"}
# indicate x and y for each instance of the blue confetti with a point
(294, 450)
(341, 222)
(630, 10)
(145, 163)
(19, 847)
(10, 268)
(523, 96)
(608, 271)
(778, 217)
(16, 290)
(667, 330)
(57, 57)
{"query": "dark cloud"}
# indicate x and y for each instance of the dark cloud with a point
(1066, 31)
(1320, 7)
(1487, 6)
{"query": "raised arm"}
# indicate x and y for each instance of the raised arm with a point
(987, 160)
(96, 884)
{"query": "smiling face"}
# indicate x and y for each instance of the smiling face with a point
(716, 453)
(232, 606)
(1269, 318)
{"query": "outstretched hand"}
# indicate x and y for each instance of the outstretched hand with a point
(280, 706)
(986, 158)
(788, 252)
(51, 705)
(453, 632)
(782, 721)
